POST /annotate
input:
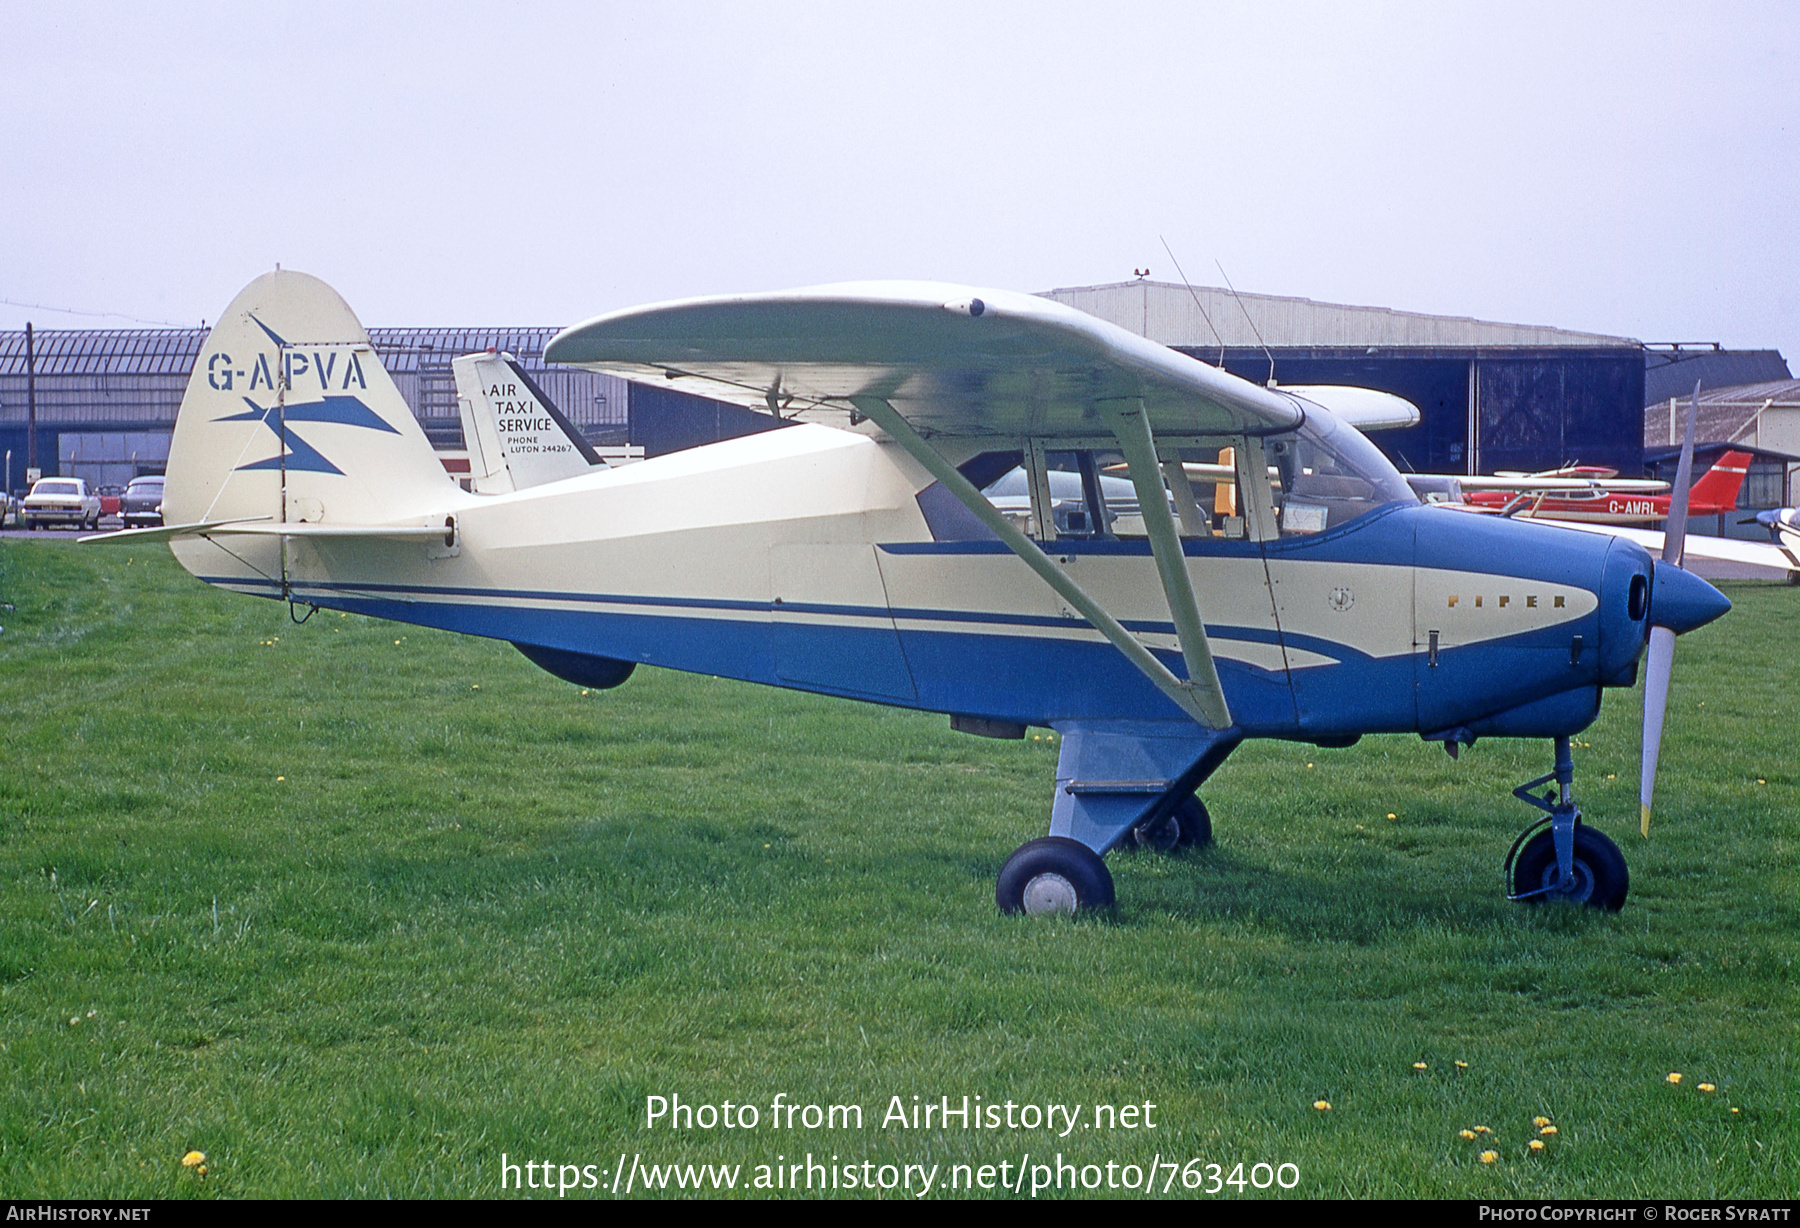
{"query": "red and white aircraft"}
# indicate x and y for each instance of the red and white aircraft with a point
(1599, 496)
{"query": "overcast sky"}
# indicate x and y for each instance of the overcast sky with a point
(1623, 169)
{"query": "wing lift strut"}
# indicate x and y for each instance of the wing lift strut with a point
(1114, 778)
(1199, 695)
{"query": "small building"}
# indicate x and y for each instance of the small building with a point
(1762, 419)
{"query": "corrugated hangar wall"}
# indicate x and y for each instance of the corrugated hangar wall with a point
(1490, 395)
(1531, 409)
(107, 398)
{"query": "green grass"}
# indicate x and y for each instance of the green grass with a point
(356, 917)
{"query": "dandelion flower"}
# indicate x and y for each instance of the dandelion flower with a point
(1392, 816)
(281, 778)
(1482, 1130)
(193, 1159)
(1461, 1065)
(1734, 1110)
(1536, 1144)
(1706, 1087)
(1761, 781)
(1488, 1157)
(74, 1019)
(1548, 1130)
(1674, 1076)
(1468, 1134)
(1420, 1066)
(1540, 1122)
(1324, 1106)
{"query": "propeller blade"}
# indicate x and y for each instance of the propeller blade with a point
(1675, 529)
(1662, 638)
(1656, 700)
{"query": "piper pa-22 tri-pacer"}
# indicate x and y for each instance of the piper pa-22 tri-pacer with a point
(854, 554)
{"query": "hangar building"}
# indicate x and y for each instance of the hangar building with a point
(106, 398)
(1491, 396)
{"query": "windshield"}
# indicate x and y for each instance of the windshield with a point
(1329, 474)
(138, 484)
(56, 488)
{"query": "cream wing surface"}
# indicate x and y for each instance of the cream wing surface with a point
(952, 360)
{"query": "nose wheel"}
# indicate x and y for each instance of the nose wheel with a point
(1557, 859)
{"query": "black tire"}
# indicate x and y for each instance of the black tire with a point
(1186, 826)
(1159, 835)
(1051, 875)
(1196, 823)
(1601, 878)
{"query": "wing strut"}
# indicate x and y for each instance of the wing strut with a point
(1132, 427)
(1205, 704)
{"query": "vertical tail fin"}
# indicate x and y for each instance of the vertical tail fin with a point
(1717, 489)
(516, 437)
(290, 416)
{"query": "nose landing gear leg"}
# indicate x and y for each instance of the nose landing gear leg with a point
(1570, 862)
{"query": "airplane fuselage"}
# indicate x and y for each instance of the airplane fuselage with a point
(801, 558)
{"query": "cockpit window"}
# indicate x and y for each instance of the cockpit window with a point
(1327, 474)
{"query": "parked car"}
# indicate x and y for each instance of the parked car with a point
(65, 501)
(141, 504)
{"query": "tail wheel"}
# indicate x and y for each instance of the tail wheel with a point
(1053, 875)
(1600, 876)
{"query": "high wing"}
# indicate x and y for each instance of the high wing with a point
(952, 360)
(924, 360)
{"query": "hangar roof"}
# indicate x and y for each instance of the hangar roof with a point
(172, 351)
(1166, 312)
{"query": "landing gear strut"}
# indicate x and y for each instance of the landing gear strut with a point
(1117, 783)
(1569, 863)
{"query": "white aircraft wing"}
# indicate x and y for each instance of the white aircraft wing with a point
(950, 360)
(1530, 482)
(1716, 549)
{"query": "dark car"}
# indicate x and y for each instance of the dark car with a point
(141, 504)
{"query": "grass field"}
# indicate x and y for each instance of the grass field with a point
(355, 908)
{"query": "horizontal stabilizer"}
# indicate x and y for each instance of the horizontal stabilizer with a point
(264, 527)
(163, 533)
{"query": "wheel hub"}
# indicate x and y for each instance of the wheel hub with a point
(1050, 893)
(1579, 889)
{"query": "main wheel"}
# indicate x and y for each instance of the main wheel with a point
(1053, 875)
(1196, 823)
(1601, 879)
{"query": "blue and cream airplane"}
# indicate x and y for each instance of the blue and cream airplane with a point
(1272, 577)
